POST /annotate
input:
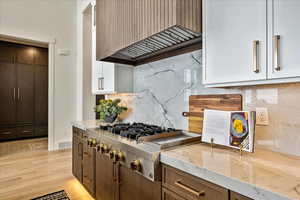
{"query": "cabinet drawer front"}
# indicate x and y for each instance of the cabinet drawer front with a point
(236, 196)
(25, 131)
(168, 195)
(191, 187)
(8, 133)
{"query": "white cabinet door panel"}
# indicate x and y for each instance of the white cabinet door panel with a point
(230, 27)
(287, 25)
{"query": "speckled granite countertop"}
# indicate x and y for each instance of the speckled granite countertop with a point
(264, 175)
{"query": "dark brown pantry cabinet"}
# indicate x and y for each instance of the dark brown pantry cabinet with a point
(23, 91)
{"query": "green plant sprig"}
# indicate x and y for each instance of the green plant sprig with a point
(109, 107)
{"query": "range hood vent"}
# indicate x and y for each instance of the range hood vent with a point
(141, 31)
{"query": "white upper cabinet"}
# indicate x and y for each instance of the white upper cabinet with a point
(250, 42)
(285, 39)
(108, 78)
(235, 40)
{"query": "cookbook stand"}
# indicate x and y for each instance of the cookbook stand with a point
(212, 144)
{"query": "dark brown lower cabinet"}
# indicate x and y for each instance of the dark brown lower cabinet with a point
(117, 182)
(88, 168)
(189, 187)
(8, 133)
(133, 186)
(77, 154)
(106, 188)
(168, 195)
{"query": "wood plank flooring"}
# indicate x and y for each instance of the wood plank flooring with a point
(31, 174)
(12, 147)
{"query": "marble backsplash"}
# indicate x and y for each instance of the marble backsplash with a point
(161, 95)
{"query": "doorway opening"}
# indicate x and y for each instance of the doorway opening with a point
(24, 96)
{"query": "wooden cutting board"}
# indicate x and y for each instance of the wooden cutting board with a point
(197, 104)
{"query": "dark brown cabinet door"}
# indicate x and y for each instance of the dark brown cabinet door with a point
(88, 168)
(7, 93)
(7, 52)
(41, 100)
(143, 188)
(41, 56)
(25, 94)
(105, 178)
(25, 54)
(77, 152)
(25, 132)
(8, 133)
(168, 195)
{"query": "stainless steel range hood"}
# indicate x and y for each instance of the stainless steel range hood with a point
(140, 31)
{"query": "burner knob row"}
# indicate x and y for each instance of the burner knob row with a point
(103, 148)
(116, 155)
(136, 165)
(92, 142)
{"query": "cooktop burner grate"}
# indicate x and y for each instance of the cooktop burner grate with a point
(136, 130)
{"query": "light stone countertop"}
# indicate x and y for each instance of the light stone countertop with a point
(84, 125)
(263, 175)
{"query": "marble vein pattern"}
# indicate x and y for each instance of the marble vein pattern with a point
(264, 175)
(162, 90)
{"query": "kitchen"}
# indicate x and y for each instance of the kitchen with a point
(165, 63)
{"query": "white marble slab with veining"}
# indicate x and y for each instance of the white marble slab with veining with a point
(264, 175)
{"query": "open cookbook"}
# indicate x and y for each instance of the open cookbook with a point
(229, 128)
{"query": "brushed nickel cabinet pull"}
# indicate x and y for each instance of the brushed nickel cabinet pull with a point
(276, 61)
(26, 131)
(255, 58)
(18, 93)
(190, 190)
(14, 94)
(101, 83)
(6, 133)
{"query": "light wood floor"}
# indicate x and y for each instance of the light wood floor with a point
(12, 147)
(31, 174)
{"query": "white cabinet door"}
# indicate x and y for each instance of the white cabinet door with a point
(230, 28)
(286, 16)
(109, 77)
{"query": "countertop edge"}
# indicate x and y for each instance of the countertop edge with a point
(240, 187)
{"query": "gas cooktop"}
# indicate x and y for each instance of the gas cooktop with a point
(136, 130)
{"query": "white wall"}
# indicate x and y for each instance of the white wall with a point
(82, 5)
(46, 20)
(88, 100)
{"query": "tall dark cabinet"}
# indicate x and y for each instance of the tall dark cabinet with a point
(23, 91)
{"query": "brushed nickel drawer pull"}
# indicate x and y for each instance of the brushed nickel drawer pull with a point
(26, 131)
(18, 93)
(255, 58)
(188, 189)
(276, 40)
(6, 133)
(14, 94)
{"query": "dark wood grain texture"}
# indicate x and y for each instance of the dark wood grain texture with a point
(105, 178)
(121, 23)
(236, 196)
(143, 188)
(187, 186)
(197, 104)
(7, 93)
(23, 90)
